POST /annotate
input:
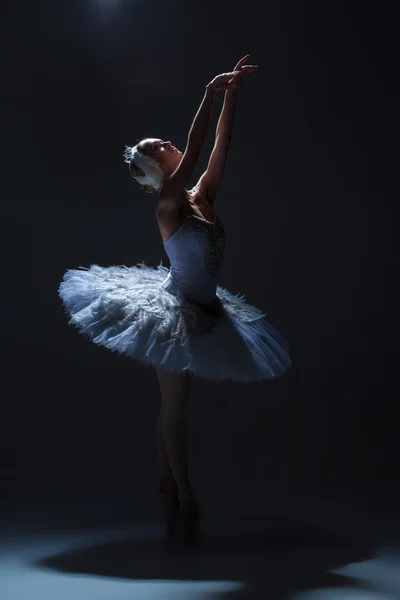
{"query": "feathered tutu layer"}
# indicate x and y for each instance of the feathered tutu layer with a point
(126, 309)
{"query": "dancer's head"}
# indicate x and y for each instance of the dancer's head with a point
(151, 162)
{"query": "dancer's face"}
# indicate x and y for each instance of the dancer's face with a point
(167, 156)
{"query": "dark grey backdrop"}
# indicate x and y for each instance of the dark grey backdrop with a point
(308, 204)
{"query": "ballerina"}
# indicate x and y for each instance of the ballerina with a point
(179, 320)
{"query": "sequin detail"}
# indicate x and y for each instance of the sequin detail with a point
(214, 236)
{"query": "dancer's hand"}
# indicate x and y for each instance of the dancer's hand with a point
(232, 80)
(243, 71)
(225, 81)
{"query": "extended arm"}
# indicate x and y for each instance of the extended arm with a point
(225, 121)
(173, 187)
(210, 180)
(212, 177)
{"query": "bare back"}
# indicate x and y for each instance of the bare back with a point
(170, 215)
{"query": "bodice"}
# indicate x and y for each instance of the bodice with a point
(195, 251)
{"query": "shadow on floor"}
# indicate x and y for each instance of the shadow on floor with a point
(270, 564)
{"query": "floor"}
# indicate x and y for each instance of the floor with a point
(281, 558)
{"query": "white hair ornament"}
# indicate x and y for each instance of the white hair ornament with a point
(153, 173)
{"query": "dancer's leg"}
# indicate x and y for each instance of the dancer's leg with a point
(174, 389)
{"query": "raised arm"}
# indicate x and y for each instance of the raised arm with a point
(172, 189)
(174, 186)
(210, 180)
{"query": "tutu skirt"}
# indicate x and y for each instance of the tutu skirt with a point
(127, 310)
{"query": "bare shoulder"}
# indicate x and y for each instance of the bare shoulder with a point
(169, 215)
(169, 207)
(171, 212)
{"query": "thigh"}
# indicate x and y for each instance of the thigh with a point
(174, 387)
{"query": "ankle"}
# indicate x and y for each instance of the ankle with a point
(185, 495)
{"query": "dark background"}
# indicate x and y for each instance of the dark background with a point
(308, 202)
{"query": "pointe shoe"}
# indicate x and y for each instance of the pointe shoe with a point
(169, 496)
(190, 521)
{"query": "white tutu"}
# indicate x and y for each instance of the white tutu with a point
(126, 309)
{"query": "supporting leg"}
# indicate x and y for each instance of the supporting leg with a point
(165, 467)
(182, 508)
(172, 427)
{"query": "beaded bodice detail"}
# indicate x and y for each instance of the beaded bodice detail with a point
(195, 251)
